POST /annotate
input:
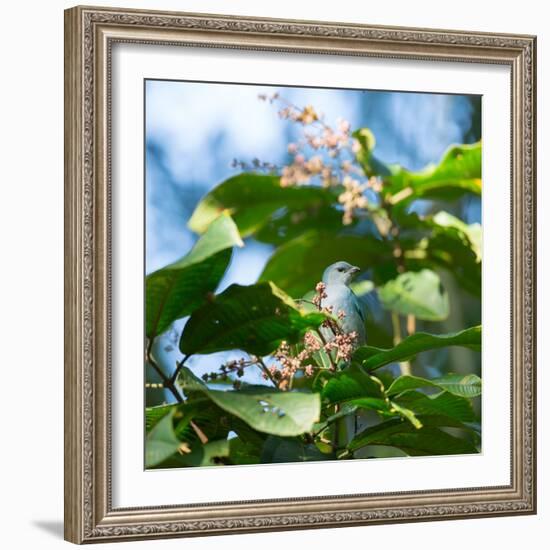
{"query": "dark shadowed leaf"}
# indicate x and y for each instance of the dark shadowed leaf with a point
(278, 449)
(254, 318)
(176, 290)
(428, 440)
(212, 453)
(350, 384)
(373, 358)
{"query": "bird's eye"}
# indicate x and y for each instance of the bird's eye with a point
(341, 269)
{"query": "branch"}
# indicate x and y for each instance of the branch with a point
(266, 371)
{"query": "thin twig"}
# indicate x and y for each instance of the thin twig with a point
(327, 352)
(404, 366)
(266, 371)
(177, 370)
(168, 384)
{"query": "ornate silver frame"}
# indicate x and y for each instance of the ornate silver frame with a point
(89, 36)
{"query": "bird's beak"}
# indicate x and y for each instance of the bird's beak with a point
(354, 270)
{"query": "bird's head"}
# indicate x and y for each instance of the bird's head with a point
(339, 273)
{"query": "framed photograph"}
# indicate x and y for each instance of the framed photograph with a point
(300, 274)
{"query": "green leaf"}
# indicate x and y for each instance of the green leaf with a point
(206, 455)
(153, 415)
(458, 172)
(264, 409)
(212, 453)
(428, 440)
(361, 288)
(416, 293)
(472, 231)
(407, 414)
(161, 442)
(350, 384)
(278, 449)
(373, 358)
(364, 155)
(254, 318)
(298, 265)
(443, 404)
(176, 290)
(462, 385)
(243, 452)
(251, 199)
(447, 243)
(289, 223)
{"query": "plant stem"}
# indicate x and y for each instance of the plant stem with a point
(332, 364)
(404, 366)
(169, 384)
(411, 324)
(177, 370)
(266, 371)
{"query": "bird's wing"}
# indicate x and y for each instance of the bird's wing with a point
(359, 307)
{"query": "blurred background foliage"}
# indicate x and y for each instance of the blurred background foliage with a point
(216, 147)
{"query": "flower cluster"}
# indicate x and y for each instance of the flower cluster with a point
(343, 344)
(325, 155)
(320, 294)
(352, 198)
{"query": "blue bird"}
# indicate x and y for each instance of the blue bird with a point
(337, 278)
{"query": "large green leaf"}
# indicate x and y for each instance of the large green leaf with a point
(251, 199)
(443, 241)
(264, 409)
(364, 155)
(298, 265)
(350, 384)
(290, 223)
(161, 442)
(254, 318)
(176, 290)
(462, 385)
(458, 172)
(471, 231)
(373, 358)
(443, 404)
(418, 293)
(428, 440)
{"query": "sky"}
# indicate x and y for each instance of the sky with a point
(195, 130)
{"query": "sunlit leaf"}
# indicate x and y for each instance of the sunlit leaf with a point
(458, 172)
(176, 290)
(264, 409)
(161, 442)
(251, 199)
(462, 385)
(418, 293)
(298, 265)
(443, 404)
